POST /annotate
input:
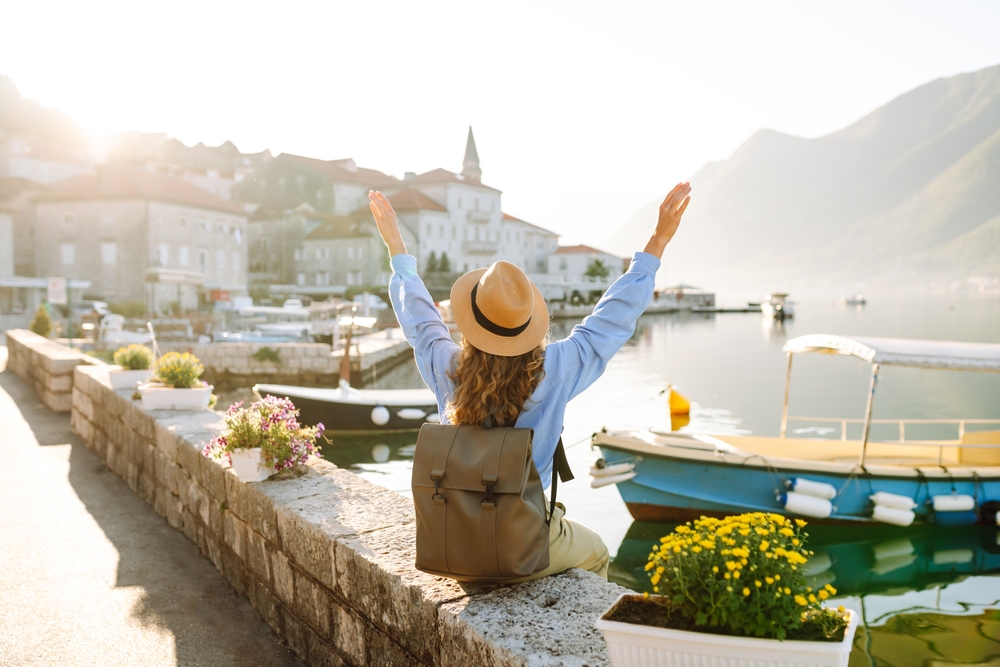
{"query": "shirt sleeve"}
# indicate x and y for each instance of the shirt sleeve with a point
(582, 357)
(433, 348)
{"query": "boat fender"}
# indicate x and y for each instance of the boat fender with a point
(953, 502)
(955, 518)
(887, 565)
(411, 413)
(953, 556)
(892, 500)
(893, 515)
(380, 415)
(811, 488)
(800, 503)
(433, 418)
(611, 471)
(598, 482)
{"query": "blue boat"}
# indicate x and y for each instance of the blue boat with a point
(674, 477)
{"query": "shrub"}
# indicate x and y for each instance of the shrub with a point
(134, 357)
(267, 354)
(742, 576)
(42, 323)
(128, 308)
(178, 370)
(271, 424)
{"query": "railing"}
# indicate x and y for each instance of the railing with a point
(480, 247)
(901, 423)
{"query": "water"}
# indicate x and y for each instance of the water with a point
(937, 602)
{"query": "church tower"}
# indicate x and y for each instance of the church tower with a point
(470, 166)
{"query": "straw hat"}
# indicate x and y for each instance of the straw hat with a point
(499, 310)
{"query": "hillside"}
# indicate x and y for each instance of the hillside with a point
(907, 195)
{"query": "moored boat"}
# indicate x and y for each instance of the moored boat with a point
(675, 477)
(348, 409)
(778, 306)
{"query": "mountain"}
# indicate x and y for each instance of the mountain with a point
(909, 195)
(37, 124)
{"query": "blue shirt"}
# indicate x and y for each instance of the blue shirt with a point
(571, 365)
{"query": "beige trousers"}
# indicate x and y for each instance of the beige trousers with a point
(572, 544)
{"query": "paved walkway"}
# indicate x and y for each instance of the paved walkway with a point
(90, 575)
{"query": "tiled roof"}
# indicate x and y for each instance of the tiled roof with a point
(579, 249)
(410, 200)
(341, 226)
(338, 170)
(507, 216)
(131, 183)
(445, 176)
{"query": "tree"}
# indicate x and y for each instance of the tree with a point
(432, 263)
(597, 269)
(445, 265)
(42, 324)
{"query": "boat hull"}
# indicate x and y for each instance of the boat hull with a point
(350, 416)
(676, 488)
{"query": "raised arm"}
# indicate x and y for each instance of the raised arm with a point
(582, 357)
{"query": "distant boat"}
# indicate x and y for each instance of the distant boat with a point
(778, 306)
(856, 300)
(665, 476)
(350, 409)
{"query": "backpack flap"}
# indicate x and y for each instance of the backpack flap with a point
(500, 457)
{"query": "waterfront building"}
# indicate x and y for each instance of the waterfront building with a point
(140, 236)
(39, 162)
(578, 273)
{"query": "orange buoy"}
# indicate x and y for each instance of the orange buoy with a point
(678, 404)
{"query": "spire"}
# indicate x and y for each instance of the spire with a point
(470, 166)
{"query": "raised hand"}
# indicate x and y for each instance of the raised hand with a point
(671, 210)
(385, 220)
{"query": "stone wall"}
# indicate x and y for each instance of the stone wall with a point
(47, 365)
(327, 558)
(232, 365)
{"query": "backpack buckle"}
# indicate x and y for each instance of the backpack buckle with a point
(437, 487)
(489, 494)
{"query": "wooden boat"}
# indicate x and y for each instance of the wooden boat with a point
(667, 476)
(778, 306)
(348, 409)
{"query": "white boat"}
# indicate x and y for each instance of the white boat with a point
(856, 300)
(778, 306)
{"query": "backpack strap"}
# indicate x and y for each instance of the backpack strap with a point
(560, 469)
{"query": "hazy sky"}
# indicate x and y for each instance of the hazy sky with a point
(582, 111)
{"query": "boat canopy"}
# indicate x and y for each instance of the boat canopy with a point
(903, 351)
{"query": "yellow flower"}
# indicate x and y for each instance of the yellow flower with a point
(795, 541)
(769, 580)
(787, 532)
(696, 549)
(757, 584)
(729, 588)
(840, 609)
(645, 594)
(730, 565)
(833, 591)
(677, 549)
(812, 598)
(746, 591)
(777, 577)
(715, 568)
(800, 523)
(728, 576)
(736, 574)
(764, 545)
(823, 595)
(801, 600)
(788, 591)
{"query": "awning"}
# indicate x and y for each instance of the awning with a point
(903, 351)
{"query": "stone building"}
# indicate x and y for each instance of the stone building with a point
(39, 162)
(140, 236)
(579, 271)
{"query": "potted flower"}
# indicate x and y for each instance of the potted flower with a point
(263, 438)
(135, 361)
(729, 592)
(175, 384)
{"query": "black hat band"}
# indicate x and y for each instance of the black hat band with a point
(493, 327)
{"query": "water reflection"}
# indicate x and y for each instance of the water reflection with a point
(927, 596)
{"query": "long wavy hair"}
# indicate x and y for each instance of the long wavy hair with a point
(494, 388)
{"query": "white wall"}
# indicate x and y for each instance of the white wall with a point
(6, 244)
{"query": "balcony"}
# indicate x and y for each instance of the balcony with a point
(481, 217)
(480, 247)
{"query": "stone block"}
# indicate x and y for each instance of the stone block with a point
(174, 510)
(83, 403)
(312, 603)
(323, 654)
(267, 605)
(188, 457)
(284, 577)
(375, 572)
(213, 478)
(165, 440)
(58, 402)
(349, 636)
(382, 650)
(214, 551)
(295, 634)
(79, 424)
(307, 545)
(234, 571)
(142, 422)
(234, 534)
(132, 476)
(60, 365)
(59, 383)
(256, 508)
(147, 488)
(551, 620)
(257, 558)
(189, 526)
(161, 500)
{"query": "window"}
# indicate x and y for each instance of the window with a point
(353, 252)
(322, 278)
(163, 254)
(236, 260)
(298, 254)
(109, 252)
(562, 264)
(508, 237)
(442, 231)
(220, 259)
(67, 253)
(460, 202)
(238, 234)
(353, 277)
(430, 230)
(323, 253)
(203, 261)
(203, 225)
(454, 232)
(183, 255)
(300, 278)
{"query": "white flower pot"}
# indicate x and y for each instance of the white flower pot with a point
(248, 466)
(646, 646)
(158, 397)
(123, 379)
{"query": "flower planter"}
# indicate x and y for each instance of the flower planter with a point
(646, 646)
(248, 466)
(158, 397)
(125, 379)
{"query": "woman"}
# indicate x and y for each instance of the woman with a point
(504, 372)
